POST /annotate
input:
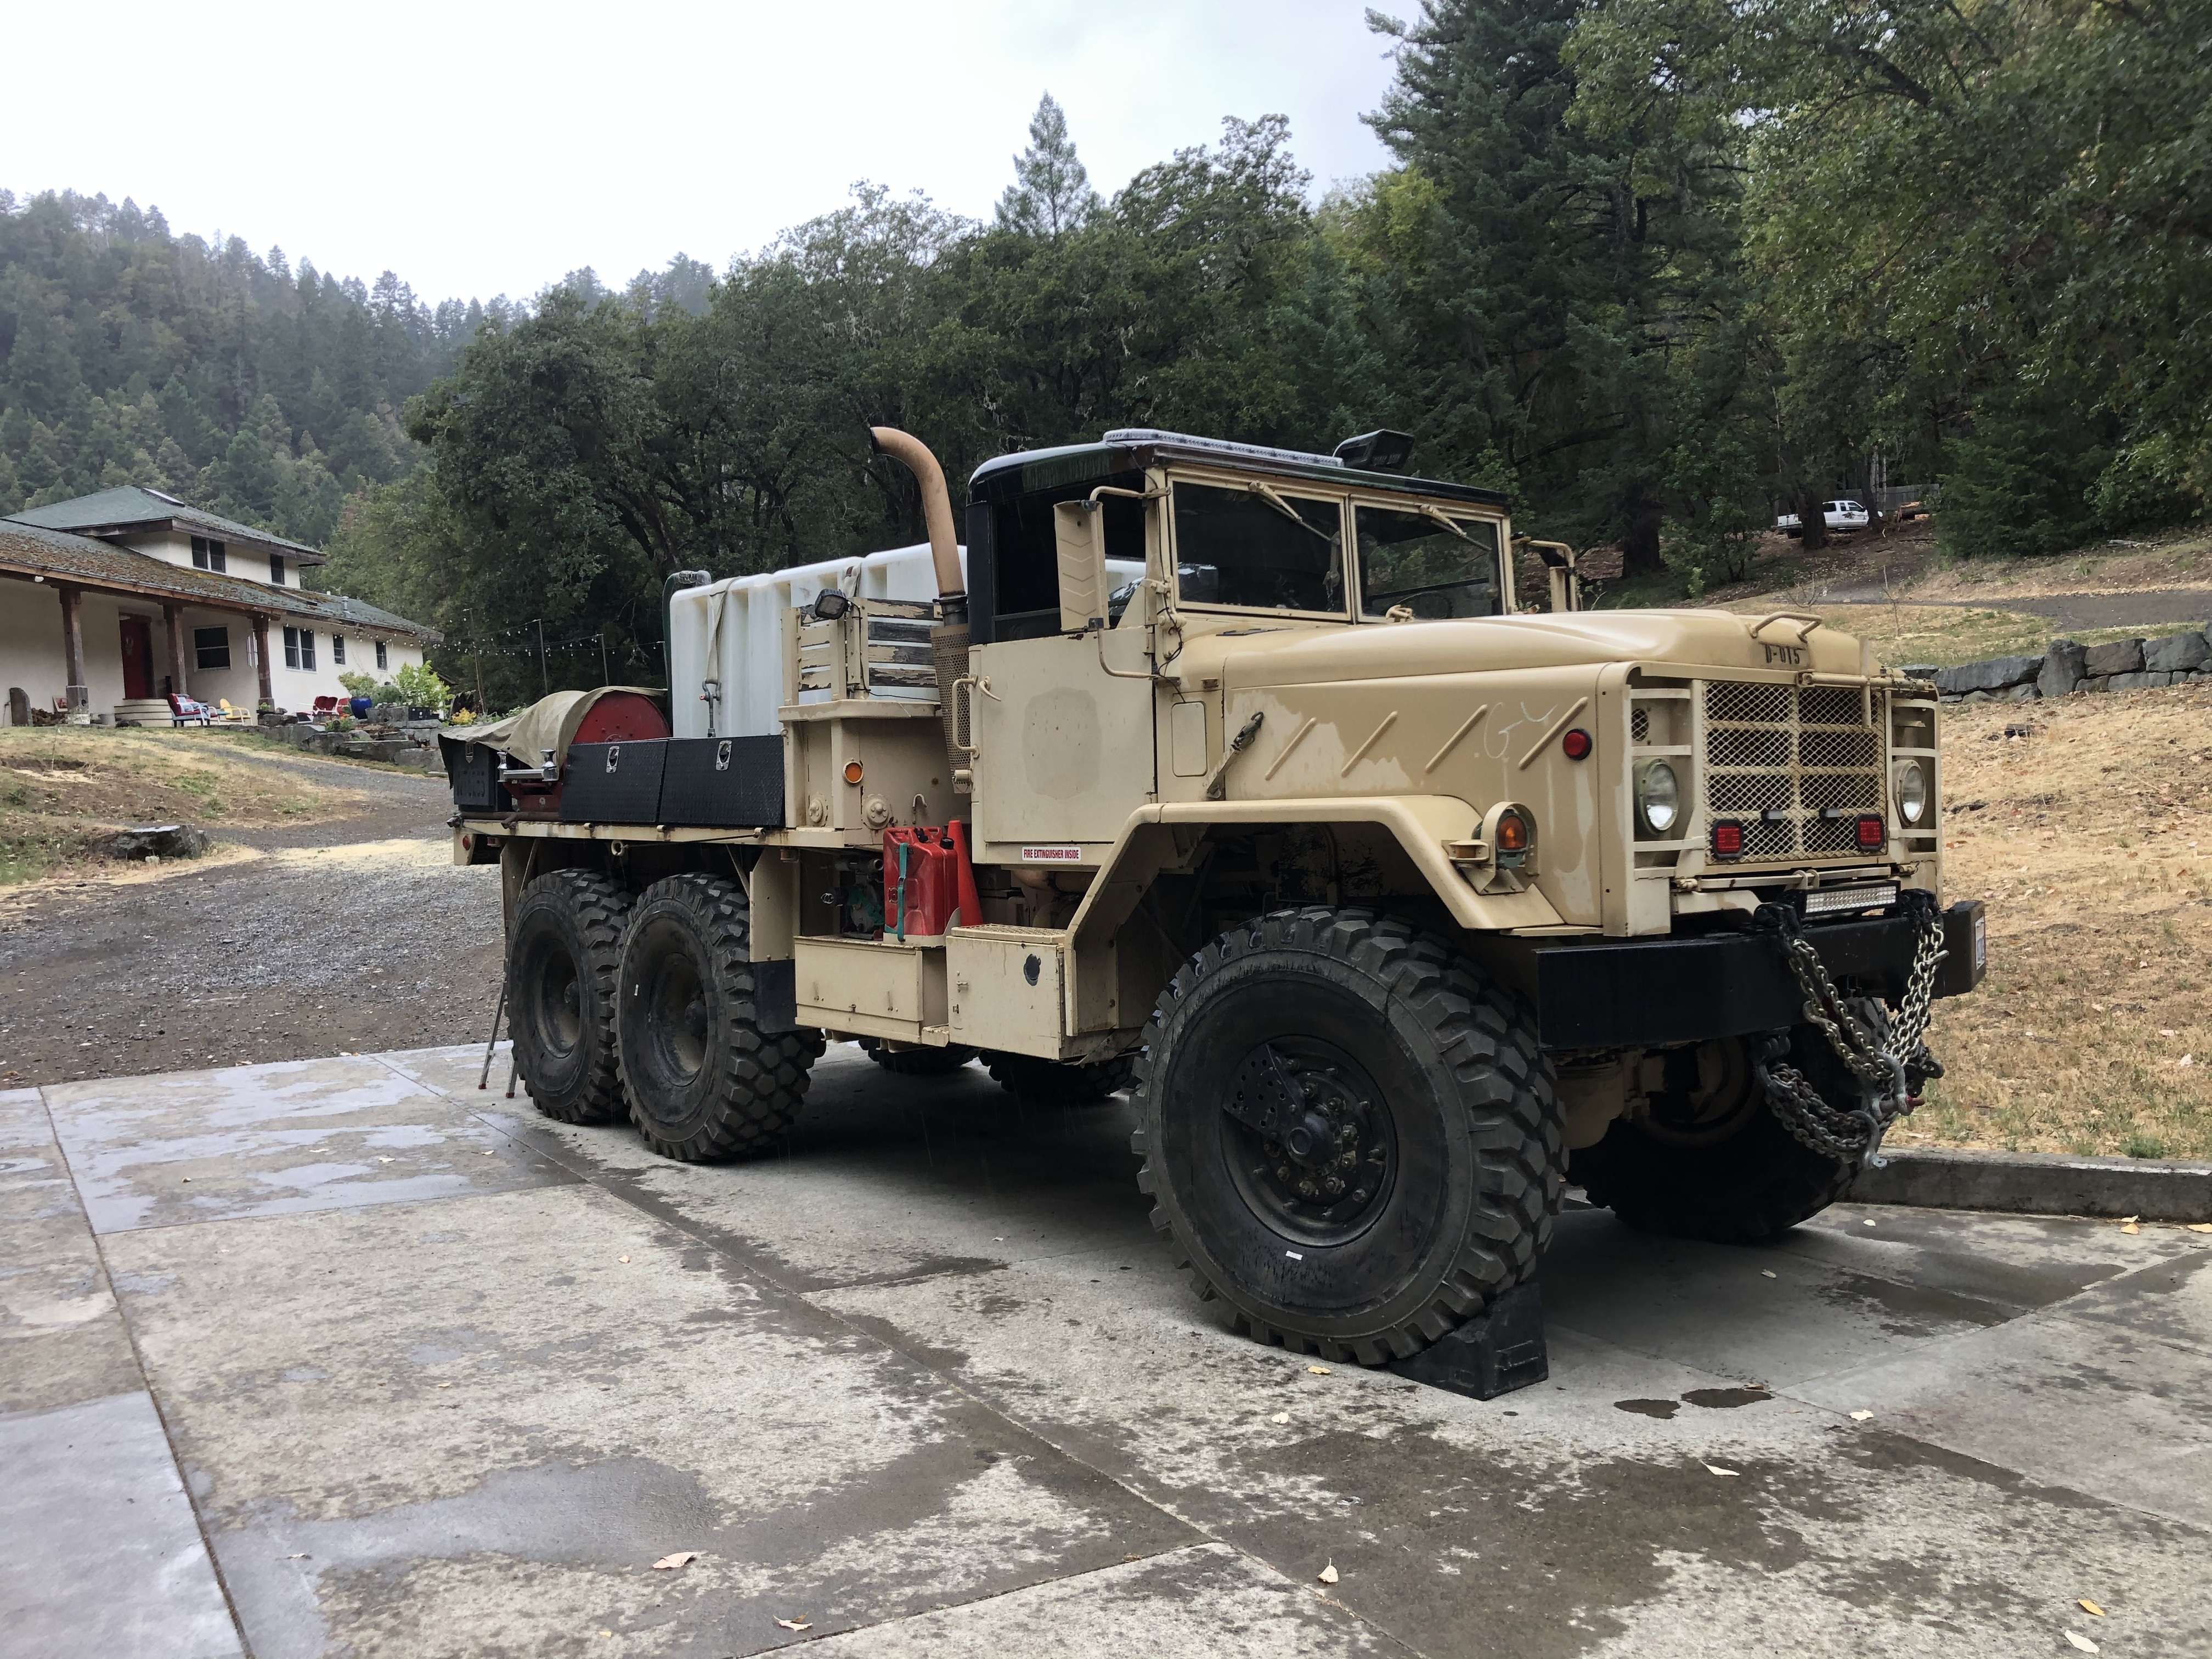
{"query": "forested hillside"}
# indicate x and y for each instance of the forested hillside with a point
(134, 355)
(1656, 267)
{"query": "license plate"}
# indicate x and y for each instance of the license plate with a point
(1840, 900)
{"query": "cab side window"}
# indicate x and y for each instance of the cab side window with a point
(1433, 567)
(1249, 548)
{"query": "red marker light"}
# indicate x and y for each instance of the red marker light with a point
(1728, 841)
(1872, 834)
(1576, 742)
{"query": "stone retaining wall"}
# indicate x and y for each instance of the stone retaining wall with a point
(2065, 668)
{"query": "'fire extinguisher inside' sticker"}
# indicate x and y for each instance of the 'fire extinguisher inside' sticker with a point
(1052, 855)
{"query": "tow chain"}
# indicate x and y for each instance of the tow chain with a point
(1879, 1061)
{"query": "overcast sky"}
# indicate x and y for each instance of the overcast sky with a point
(480, 149)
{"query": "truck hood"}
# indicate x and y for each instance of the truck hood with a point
(1297, 653)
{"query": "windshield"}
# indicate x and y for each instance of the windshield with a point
(1433, 565)
(1264, 549)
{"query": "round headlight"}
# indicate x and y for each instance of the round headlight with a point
(1912, 791)
(1658, 797)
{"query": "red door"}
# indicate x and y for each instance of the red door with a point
(137, 658)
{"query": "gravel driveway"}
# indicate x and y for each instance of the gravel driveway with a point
(357, 933)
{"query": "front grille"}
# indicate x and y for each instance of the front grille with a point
(1778, 756)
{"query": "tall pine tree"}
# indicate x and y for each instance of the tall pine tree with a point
(1051, 193)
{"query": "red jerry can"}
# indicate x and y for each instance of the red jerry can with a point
(929, 884)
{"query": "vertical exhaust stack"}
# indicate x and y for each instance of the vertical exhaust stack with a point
(948, 641)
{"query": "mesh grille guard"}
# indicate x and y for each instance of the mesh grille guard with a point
(1796, 766)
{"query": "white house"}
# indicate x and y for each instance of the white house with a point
(121, 597)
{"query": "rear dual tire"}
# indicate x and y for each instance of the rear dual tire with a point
(705, 1082)
(563, 964)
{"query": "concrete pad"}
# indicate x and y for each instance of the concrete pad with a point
(2170, 1299)
(103, 1557)
(2086, 1404)
(598, 1414)
(278, 1139)
(2015, 1261)
(62, 1339)
(886, 1178)
(1564, 1519)
(1767, 1316)
(1203, 1603)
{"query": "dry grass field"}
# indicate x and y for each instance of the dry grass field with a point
(63, 788)
(2089, 839)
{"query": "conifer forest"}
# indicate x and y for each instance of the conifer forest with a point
(1659, 268)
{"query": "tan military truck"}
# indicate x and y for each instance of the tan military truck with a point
(1248, 779)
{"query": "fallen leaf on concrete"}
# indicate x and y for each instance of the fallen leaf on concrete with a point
(1866, 1224)
(1280, 1417)
(1328, 1573)
(796, 1624)
(1861, 1417)
(1320, 1370)
(1766, 1272)
(2131, 1227)
(385, 1160)
(622, 1258)
(1715, 1468)
(670, 1563)
(2198, 1227)
(187, 1178)
(2082, 1642)
(2089, 1606)
(444, 1385)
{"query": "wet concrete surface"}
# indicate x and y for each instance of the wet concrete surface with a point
(926, 1384)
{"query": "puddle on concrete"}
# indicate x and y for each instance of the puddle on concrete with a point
(1723, 1399)
(1659, 1408)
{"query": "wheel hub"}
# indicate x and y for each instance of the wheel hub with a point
(1311, 1142)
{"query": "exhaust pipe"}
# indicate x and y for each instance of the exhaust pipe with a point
(936, 514)
(948, 641)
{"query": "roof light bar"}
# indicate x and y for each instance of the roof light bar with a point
(1145, 434)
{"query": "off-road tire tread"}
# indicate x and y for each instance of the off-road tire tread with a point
(1037, 1082)
(1491, 1037)
(602, 912)
(918, 1062)
(762, 1081)
(1796, 1185)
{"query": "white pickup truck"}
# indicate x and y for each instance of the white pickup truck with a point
(1836, 515)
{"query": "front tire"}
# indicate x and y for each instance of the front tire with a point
(563, 959)
(1421, 1166)
(705, 1082)
(1729, 1173)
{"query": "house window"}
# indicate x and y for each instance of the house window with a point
(276, 570)
(209, 554)
(338, 651)
(292, 638)
(211, 646)
(306, 650)
(380, 662)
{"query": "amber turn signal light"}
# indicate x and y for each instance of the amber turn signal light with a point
(1512, 833)
(852, 771)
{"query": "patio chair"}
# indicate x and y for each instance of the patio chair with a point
(183, 711)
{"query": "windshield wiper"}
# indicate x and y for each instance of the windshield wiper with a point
(1447, 522)
(1266, 493)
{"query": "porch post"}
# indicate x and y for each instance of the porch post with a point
(261, 657)
(173, 615)
(80, 694)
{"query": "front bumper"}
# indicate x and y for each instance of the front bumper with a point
(1651, 992)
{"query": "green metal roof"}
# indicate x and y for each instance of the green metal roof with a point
(134, 507)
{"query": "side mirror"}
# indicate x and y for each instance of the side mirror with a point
(1079, 531)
